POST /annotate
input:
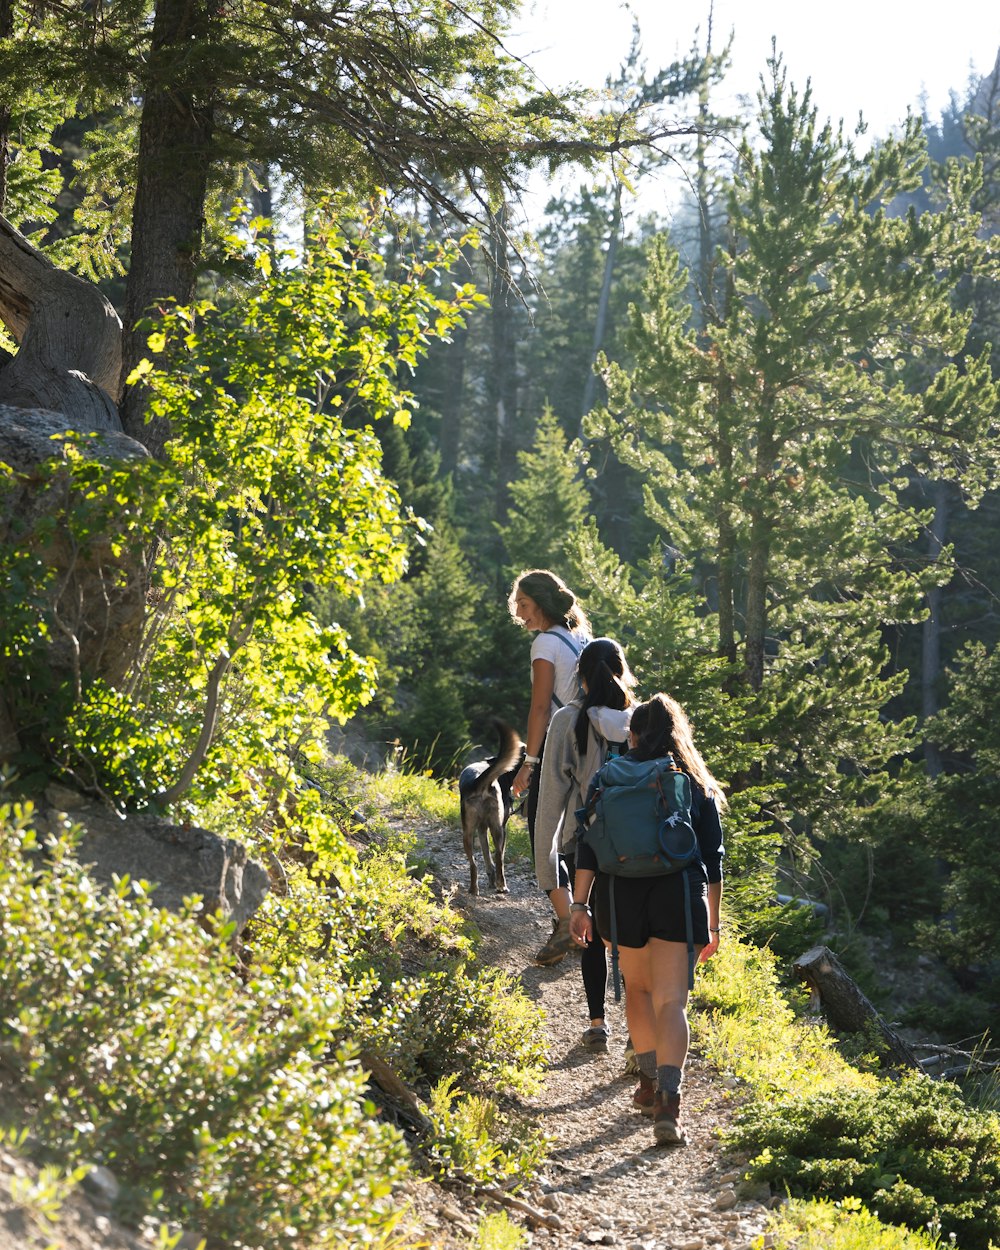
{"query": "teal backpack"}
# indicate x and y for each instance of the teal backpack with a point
(637, 821)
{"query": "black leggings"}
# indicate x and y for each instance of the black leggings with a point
(531, 802)
(593, 960)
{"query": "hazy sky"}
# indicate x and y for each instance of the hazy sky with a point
(873, 55)
(877, 56)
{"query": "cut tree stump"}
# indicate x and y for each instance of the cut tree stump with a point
(845, 1006)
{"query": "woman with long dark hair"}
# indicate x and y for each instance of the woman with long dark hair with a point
(579, 738)
(651, 924)
(542, 603)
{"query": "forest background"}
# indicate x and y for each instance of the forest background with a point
(759, 442)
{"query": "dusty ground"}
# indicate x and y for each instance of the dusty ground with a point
(606, 1182)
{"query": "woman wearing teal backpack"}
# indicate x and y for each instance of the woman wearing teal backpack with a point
(653, 920)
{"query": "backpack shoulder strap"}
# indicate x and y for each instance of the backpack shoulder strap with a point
(564, 639)
(567, 642)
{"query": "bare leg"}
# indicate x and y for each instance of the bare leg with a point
(637, 972)
(668, 963)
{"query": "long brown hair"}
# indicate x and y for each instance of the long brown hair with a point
(661, 727)
(552, 595)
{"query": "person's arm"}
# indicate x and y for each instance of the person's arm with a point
(581, 922)
(708, 827)
(714, 923)
(543, 679)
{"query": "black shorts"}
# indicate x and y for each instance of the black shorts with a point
(652, 907)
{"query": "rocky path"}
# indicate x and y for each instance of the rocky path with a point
(605, 1180)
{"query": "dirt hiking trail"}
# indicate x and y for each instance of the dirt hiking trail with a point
(605, 1182)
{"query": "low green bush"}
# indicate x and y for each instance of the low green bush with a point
(843, 1225)
(912, 1151)
(413, 993)
(407, 792)
(237, 1110)
(751, 1026)
(472, 1135)
(497, 1231)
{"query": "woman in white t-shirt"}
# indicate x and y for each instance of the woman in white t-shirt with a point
(544, 604)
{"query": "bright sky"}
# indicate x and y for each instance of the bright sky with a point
(879, 56)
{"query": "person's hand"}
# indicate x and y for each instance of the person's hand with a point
(713, 945)
(522, 780)
(581, 926)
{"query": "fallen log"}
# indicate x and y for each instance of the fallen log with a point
(388, 1081)
(846, 1008)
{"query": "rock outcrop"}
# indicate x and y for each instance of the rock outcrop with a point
(177, 860)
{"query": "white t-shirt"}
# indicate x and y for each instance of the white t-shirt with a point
(561, 647)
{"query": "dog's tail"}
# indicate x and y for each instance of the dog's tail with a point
(507, 757)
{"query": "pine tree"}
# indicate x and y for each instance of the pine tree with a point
(200, 94)
(960, 821)
(777, 444)
(549, 502)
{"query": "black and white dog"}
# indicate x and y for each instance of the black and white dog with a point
(484, 792)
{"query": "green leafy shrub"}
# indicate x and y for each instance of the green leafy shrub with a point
(751, 1028)
(474, 1136)
(412, 993)
(236, 1109)
(914, 1151)
(497, 1231)
(273, 488)
(841, 1226)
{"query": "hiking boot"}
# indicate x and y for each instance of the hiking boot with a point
(666, 1119)
(596, 1038)
(558, 946)
(644, 1095)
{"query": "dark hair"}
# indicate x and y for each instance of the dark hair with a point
(603, 667)
(661, 727)
(552, 595)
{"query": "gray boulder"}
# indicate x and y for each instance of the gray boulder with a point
(178, 861)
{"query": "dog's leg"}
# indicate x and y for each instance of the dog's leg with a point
(498, 833)
(470, 855)
(484, 841)
(500, 843)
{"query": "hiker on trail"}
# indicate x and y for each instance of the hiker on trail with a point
(658, 936)
(542, 603)
(580, 736)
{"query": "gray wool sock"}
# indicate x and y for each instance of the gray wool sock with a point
(668, 1078)
(647, 1063)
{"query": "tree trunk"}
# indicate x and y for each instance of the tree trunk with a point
(503, 370)
(727, 530)
(930, 669)
(452, 403)
(759, 563)
(726, 459)
(168, 219)
(601, 323)
(69, 360)
(453, 399)
(844, 1005)
(704, 284)
(6, 30)
(756, 614)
